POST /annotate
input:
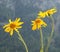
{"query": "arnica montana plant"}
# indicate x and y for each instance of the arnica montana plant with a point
(15, 25)
(38, 24)
(48, 13)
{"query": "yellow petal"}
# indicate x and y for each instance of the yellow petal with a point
(16, 30)
(19, 27)
(44, 24)
(5, 26)
(32, 21)
(38, 26)
(20, 23)
(10, 20)
(54, 10)
(41, 14)
(7, 29)
(46, 13)
(17, 19)
(11, 32)
(34, 27)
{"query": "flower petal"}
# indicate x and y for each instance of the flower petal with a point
(38, 26)
(7, 29)
(20, 23)
(11, 32)
(16, 30)
(41, 14)
(5, 26)
(19, 27)
(44, 24)
(34, 27)
(17, 19)
(10, 20)
(33, 22)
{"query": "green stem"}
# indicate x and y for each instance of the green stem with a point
(41, 38)
(22, 40)
(51, 35)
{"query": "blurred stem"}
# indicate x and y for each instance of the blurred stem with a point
(51, 35)
(22, 40)
(41, 38)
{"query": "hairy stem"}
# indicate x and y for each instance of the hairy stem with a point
(51, 35)
(22, 40)
(41, 39)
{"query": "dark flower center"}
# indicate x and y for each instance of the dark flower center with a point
(12, 26)
(37, 21)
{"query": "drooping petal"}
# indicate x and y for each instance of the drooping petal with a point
(7, 29)
(38, 26)
(44, 24)
(34, 27)
(16, 30)
(11, 32)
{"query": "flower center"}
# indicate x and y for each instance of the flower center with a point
(12, 26)
(38, 21)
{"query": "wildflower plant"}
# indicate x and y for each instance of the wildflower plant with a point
(38, 24)
(48, 13)
(14, 26)
(41, 14)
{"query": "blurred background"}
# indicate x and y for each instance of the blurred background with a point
(27, 10)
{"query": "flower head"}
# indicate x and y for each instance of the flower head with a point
(38, 23)
(41, 14)
(50, 12)
(46, 13)
(13, 25)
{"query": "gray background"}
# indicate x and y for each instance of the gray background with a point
(27, 10)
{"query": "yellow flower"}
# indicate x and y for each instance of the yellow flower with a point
(38, 23)
(13, 25)
(46, 13)
(50, 12)
(41, 14)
